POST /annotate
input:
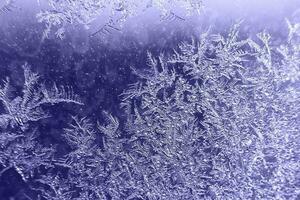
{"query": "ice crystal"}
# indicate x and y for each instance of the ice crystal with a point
(217, 118)
(241, 108)
(62, 13)
(26, 108)
(93, 171)
(19, 149)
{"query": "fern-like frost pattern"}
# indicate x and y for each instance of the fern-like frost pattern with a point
(216, 119)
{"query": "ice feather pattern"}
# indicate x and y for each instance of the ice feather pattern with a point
(216, 119)
(94, 171)
(111, 127)
(237, 101)
(20, 150)
(22, 109)
(60, 14)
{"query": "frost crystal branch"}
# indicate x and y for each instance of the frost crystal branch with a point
(28, 107)
(20, 150)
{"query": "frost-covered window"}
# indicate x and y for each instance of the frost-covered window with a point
(149, 100)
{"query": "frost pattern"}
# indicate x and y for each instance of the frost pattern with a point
(94, 172)
(218, 119)
(27, 108)
(62, 13)
(19, 149)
